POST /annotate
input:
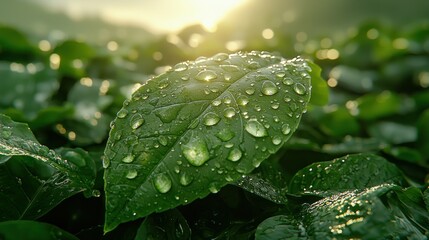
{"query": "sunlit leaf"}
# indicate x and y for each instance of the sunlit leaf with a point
(354, 214)
(194, 129)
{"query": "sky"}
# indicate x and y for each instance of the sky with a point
(158, 16)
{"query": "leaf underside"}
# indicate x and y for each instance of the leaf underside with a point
(198, 127)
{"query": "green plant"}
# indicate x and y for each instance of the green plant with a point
(212, 149)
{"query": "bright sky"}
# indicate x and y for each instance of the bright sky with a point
(159, 16)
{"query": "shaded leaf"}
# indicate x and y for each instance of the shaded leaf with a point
(30, 230)
(392, 132)
(34, 178)
(192, 130)
(356, 171)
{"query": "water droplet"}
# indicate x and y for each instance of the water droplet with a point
(286, 129)
(128, 159)
(269, 88)
(275, 105)
(299, 89)
(195, 151)
(75, 158)
(250, 91)
(136, 121)
(280, 74)
(213, 188)
(227, 76)
(225, 134)
(122, 113)
(220, 57)
(163, 140)
(229, 112)
(96, 193)
(287, 99)
(243, 100)
(181, 67)
(206, 75)
(185, 77)
(288, 81)
(258, 108)
(253, 65)
(276, 140)
(185, 179)
(235, 154)
(211, 119)
(106, 162)
(131, 174)
(162, 183)
(216, 102)
(230, 68)
(255, 128)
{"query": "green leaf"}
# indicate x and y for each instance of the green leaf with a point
(35, 179)
(33, 85)
(280, 227)
(375, 106)
(393, 132)
(169, 225)
(196, 128)
(357, 171)
(30, 230)
(319, 88)
(354, 145)
(354, 214)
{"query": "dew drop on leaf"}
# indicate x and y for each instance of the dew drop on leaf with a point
(229, 112)
(299, 89)
(225, 134)
(243, 100)
(250, 91)
(163, 140)
(206, 75)
(213, 188)
(230, 68)
(235, 154)
(269, 88)
(75, 158)
(185, 179)
(196, 152)
(105, 162)
(211, 119)
(255, 128)
(122, 113)
(280, 74)
(131, 174)
(216, 102)
(220, 57)
(288, 81)
(128, 159)
(180, 67)
(136, 121)
(276, 140)
(286, 129)
(162, 183)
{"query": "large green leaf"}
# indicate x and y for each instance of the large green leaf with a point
(354, 214)
(357, 171)
(196, 128)
(30, 230)
(35, 179)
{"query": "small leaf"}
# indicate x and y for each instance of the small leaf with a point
(31, 230)
(356, 171)
(194, 129)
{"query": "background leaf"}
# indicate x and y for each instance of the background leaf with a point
(30, 230)
(194, 129)
(357, 171)
(35, 179)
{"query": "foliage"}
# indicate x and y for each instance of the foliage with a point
(355, 167)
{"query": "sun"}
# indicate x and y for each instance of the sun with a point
(209, 12)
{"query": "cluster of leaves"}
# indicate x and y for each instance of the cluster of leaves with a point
(355, 168)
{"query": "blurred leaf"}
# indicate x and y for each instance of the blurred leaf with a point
(319, 88)
(423, 133)
(197, 137)
(354, 145)
(358, 171)
(393, 132)
(26, 87)
(51, 115)
(354, 80)
(73, 57)
(406, 154)
(30, 230)
(338, 122)
(354, 214)
(375, 106)
(13, 42)
(169, 225)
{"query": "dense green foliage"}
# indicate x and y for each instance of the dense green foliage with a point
(356, 167)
